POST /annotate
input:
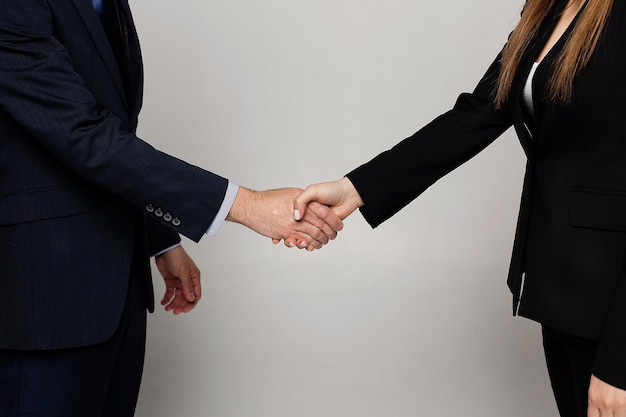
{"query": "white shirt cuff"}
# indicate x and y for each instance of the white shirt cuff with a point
(166, 250)
(229, 199)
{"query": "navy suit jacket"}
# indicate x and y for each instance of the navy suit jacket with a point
(82, 198)
(570, 242)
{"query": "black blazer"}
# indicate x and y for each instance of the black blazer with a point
(81, 197)
(570, 242)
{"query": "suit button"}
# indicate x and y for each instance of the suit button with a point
(158, 212)
(176, 221)
(167, 217)
(150, 208)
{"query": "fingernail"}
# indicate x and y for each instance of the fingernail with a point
(304, 245)
(290, 244)
(296, 214)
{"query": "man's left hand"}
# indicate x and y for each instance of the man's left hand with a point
(182, 280)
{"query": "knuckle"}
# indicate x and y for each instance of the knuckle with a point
(316, 232)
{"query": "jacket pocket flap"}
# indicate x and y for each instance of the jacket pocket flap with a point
(598, 209)
(44, 204)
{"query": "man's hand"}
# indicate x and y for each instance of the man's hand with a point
(270, 213)
(182, 280)
(340, 196)
(605, 400)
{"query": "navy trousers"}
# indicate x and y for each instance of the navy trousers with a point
(94, 381)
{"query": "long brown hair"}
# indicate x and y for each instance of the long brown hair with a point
(575, 55)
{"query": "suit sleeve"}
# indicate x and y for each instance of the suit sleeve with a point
(160, 237)
(610, 360)
(396, 177)
(41, 90)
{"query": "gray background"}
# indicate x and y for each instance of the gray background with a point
(412, 319)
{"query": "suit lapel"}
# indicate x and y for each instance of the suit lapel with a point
(135, 69)
(525, 66)
(99, 38)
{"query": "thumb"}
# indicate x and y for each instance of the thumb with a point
(301, 200)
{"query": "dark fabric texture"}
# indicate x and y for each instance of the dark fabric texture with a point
(569, 242)
(570, 362)
(80, 193)
(100, 380)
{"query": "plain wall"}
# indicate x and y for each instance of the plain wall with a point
(411, 319)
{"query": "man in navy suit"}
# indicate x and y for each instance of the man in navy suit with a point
(84, 203)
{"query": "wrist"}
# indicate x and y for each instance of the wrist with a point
(241, 210)
(166, 250)
(352, 195)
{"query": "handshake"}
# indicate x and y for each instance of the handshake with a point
(306, 219)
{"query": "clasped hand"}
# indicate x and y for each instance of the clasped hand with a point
(334, 201)
(306, 219)
(270, 213)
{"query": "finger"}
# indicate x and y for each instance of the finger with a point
(299, 241)
(197, 288)
(175, 301)
(179, 304)
(172, 302)
(315, 244)
(321, 217)
(301, 200)
(167, 297)
(171, 305)
(311, 231)
(291, 242)
(184, 307)
(186, 284)
(305, 231)
(307, 244)
(593, 411)
(196, 282)
(181, 307)
(314, 219)
(325, 214)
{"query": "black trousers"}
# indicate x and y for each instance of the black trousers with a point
(570, 364)
(94, 381)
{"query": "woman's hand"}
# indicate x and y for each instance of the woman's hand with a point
(340, 196)
(605, 400)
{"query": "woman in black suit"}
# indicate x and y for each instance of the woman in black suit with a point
(561, 82)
